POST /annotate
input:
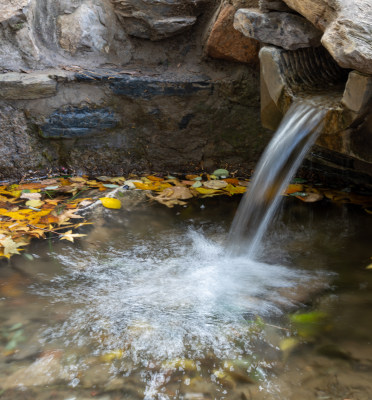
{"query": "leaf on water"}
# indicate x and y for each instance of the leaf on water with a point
(208, 192)
(70, 236)
(110, 202)
(310, 197)
(235, 189)
(34, 203)
(197, 184)
(191, 177)
(215, 184)
(154, 178)
(10, 246)
(232, 181)
(31, 196)
(54, 187)
(294, 188)
(221, 173)
(110, 185)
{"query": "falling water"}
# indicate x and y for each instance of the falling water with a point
(284, 154)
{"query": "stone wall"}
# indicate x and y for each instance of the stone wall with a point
(115, 86)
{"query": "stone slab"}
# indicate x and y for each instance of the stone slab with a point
(18, 86)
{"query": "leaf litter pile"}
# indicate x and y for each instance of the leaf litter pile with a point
(49, 208)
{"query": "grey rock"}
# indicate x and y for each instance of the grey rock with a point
(273, 5)
(358, 92)
(154, 19)
(83, 29)
(288, 31)
(17, 86)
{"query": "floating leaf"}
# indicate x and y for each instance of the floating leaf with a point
(154, 178)
(221, 173)
(34, 203)
(110, 185)
(310, 197)
(54, 187)
(70, 236)
(235, 189)
(215, 184)
(293, 188)
(110, 202)
(197, 184)
(208, 192)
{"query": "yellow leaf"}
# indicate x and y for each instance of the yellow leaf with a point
(70, 236)
(235, 189)
(368, 211)
(10, 246)
(208, 192)
(369, 266)
(109, 202)
(34, 203)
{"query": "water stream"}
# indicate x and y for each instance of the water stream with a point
(281, 159)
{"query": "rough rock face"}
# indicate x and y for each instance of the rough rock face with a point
(227, 43)
(273, 5)
(286, 30)
(157, 19)
(347, 27)
(45, 33)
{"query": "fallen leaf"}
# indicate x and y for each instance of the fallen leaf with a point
(110, 202)
(235, 189)
(154, 178)
(293, 188)
(31, 196)
(34, 203)
(215, 184)
(70, 236)
(310, 197)
(10, 246)
(208, 192)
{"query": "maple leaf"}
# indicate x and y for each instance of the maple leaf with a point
(70, 236)
(10, 246)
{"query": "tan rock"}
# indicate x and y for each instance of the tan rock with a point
(347, 27)
(17, 86)
(358, 92)
(11, 8)
(227, 43)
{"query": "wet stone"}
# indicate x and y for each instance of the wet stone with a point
(75, 122)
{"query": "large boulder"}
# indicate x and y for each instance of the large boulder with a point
(347, 27)
(288, 31)
(227, 43)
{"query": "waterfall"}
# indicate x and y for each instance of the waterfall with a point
(279, 162)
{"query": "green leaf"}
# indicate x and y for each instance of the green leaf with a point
(298, 180)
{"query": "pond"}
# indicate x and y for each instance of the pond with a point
(152, 304)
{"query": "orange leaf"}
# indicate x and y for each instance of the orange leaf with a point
(32, 185)
(293, 188)
(232, 181)
(191, 177)
(154, 178)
